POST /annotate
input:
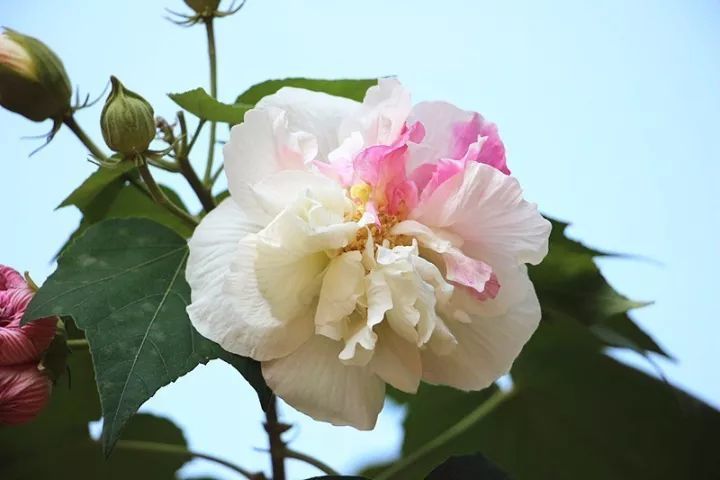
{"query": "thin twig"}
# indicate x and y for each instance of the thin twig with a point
(159, 196)
(275, 430)
(323, 467)
(212, 54)
(154, 447)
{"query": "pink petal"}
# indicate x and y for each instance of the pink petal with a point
(492, 151)
(471, 273)
(24, 391)
(26, 343)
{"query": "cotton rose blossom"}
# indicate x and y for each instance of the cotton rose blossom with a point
(20, 343)
(24, 391)
(364, 244)
(24, 388)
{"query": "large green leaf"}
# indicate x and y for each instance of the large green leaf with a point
(570, 286)
(123, 283)
(58, 445)
(352, 89)
(202, 105)
(573, 413)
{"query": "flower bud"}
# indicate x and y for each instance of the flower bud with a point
(203, 7)
(24, 391)
(20, 343)
(33, 81)
(127, 121)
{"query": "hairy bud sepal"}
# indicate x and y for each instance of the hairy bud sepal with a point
(127, 121)
(33, 81)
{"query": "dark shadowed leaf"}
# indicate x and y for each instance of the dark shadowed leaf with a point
(123, 283)
(467, 467)
(573, 413)
(338, 477)
(58, 445)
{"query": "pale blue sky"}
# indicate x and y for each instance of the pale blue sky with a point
(610, 112)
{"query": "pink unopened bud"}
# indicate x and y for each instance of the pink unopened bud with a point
(24, 391)
(20, 344)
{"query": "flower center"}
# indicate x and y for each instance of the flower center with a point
(380, 228)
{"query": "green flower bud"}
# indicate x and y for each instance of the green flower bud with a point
(33, 81)
(127, 121)
(203, 7)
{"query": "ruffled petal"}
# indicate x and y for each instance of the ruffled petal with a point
(396, 361)
(487, 345)
(485, 208)
(314, 381)
(342, 286)
(264, 144)
(217, 310)
(383, 113)
(316, 113)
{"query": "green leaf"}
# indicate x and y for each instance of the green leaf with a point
(573, 413)
(570, 286)
(58, 445)
(202, 105)
(467, 467)
(123, 283)
(352, 89)
(93, 186)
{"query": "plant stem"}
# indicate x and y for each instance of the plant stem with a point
(159, 196)
(96, 152)
(182, 156)
(210, 29)
(310, 460)
(78, 343)
(216, 175)
(397, 470)
(277, 446)
(82, 136)
(179, 450)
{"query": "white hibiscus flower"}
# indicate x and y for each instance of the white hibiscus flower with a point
(364, 244)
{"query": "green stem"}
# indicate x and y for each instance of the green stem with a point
(210, 29)
(202, 192)
(179, 450)
(323, 467)
(398, 469)
(277, 446)
(82, 136)
(78, 343)
(216, 175)
(96, 152)
(160, 198)
(185, 167)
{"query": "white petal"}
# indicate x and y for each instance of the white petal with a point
(343, 284)
(438, 118)
(316, 113)
(213, 248)
(485, 207)
(264, 144)
(314, 381)
(396, 361)
(250, 321)
(383, 113)
(275, 192)
(487, 346)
